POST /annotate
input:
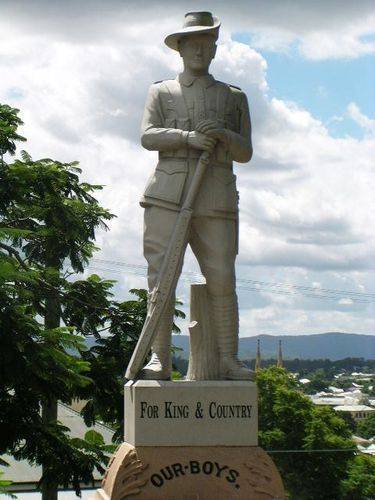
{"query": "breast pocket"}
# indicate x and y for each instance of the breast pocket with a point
(168, 180)
(224, 190)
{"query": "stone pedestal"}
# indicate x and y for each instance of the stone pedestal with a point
(191, 441)
(184, 413)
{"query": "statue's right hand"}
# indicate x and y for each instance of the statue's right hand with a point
(197, 140)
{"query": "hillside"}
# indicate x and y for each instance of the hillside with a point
(332, 345)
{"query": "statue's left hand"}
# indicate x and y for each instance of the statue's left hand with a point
(212, 128)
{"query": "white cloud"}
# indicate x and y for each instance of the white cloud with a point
(351, 41)
(366, 123)
(237, 61)
(346, 302)
(318, 30)
(299, 321)
(322, 29)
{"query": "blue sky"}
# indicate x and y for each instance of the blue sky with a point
(324, 87)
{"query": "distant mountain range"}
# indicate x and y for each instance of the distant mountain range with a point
(332, 345)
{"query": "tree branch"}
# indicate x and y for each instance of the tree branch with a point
(15, 254)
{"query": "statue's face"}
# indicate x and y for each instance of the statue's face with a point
(197, 51)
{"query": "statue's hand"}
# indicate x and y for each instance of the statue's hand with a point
(197, 140)
(214, 129)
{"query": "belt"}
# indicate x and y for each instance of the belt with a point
(192, 154)
(180, 153)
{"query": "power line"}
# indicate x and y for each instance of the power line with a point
(312, 289)
(327, 450)
(257, 286)
(242, 280)
(188, 276)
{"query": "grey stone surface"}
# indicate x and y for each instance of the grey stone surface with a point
(191, 473)
(184, 413)
(204, 361)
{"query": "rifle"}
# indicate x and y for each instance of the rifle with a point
(168, 274)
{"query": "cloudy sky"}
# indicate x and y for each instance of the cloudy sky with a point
(79, 72)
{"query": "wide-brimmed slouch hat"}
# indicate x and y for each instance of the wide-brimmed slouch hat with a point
(195, 22)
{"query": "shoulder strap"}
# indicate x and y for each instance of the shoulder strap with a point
(174, 89)
(235, 87)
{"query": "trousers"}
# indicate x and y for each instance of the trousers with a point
(213, 241)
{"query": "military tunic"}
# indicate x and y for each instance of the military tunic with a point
(173, 108)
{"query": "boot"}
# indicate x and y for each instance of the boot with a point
(225, 316)
(160, 365)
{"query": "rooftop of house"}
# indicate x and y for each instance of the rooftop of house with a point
(304, 381)
(369, 450)
(362, 441)
(353, 408)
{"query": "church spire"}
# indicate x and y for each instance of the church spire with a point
(280, 363)
(258, 357)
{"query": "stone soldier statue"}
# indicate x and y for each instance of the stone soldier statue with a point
(182, 118)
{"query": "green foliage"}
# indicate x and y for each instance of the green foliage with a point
(176, 375)
(178, 314)
(366, 428)
(122, 323)
(368, 387)
(94, 437)
(289, 421)
(347, 417)
(4, 484)
(327, 431)
(48, 213)
(35, 367)
(360, 483)
(180, 364)
(66, 461)
(9, 123)
(307, 367)
(318, 382)
(282, 410)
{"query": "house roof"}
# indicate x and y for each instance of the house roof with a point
(362, 441)
(370, 450)
(353, 408)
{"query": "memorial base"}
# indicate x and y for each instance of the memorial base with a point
(191, 473)
(191, 441)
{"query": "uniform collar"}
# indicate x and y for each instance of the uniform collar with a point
(188, 80)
